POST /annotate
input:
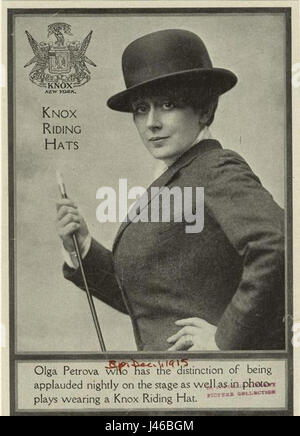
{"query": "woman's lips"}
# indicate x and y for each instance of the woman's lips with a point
(157, 140)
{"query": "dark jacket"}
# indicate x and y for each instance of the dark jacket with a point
(231, 274)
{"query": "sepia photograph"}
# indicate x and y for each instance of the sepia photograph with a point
(189, 119)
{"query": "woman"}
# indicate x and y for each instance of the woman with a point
(218, 289)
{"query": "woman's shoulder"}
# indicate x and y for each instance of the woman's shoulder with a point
(220, 155)
(220, 163)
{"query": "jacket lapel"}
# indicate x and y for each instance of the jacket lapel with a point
(199, 149)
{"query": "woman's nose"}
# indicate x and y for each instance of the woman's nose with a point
(153, 119)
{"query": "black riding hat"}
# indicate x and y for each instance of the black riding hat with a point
(177, 55)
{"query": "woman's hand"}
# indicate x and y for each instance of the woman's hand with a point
(68, 221)
(196, 334)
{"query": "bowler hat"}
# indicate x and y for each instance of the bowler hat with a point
(173, 54)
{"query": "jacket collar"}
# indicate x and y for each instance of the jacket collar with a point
(161, 167)
(185, 159)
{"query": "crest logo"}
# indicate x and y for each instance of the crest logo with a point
(59, 64)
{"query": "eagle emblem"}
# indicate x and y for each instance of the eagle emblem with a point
(60, 61)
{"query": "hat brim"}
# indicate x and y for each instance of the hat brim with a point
(219, 80)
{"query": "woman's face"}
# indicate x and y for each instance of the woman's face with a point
(167, 128)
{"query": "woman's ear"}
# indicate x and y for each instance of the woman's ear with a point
(207, 113)
(203, 118)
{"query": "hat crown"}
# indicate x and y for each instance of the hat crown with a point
(163, 53)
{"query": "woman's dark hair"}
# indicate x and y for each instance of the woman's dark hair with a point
(199, 96)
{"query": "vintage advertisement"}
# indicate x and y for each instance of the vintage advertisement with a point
(149, 161)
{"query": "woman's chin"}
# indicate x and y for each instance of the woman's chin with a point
(164, 154)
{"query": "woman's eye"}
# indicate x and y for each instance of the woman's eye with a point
(142, 109)
(168, 105)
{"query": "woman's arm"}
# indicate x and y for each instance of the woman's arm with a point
(98, 266)
(254, 225)
(97, 262)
